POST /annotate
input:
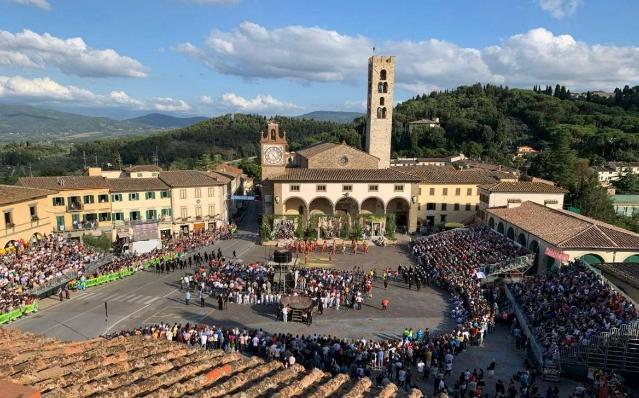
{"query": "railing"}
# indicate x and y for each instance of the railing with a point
(16, 228)
(75, 206)
(535, 349)
(525, 261)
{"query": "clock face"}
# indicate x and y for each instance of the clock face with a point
(273, 154)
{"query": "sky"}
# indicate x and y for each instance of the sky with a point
(210, 57)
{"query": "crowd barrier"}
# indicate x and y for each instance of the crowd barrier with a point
(18, 313)
(535, 349)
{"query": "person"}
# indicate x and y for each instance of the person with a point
(359, 300)
(385, 303)
(285, 313)
(187, 297)
(234, 254)
(309, 317)
(202, 297)
(220, 302)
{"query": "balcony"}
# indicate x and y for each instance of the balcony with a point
(75, 206)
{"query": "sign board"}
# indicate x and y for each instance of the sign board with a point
(242, 197)
(556, 254)
(145, 231)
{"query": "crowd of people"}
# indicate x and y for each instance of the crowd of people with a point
(571, 306)
(35, 265)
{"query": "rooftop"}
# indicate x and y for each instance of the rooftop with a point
(62, 183)
(191, 178)
(451, 175)
(144, 167)
(630, 199)
(136, 184)
(229, 170)
(14, 194)
(372, 175)
(565, 229)
(138, 366)
(424, 121)
(523, 187)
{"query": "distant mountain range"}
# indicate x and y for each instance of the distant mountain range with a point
(21, 123)
(331, 116)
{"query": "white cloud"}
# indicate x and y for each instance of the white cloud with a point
(42, 4)
(71, 56)
(559, 8)
(205, 99)
(359, 106)
(311, 54)
(261, 103)
(168, 104)
(45, 89)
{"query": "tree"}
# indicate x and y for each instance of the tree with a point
(628, 184)
(559, 163)
(593, 199)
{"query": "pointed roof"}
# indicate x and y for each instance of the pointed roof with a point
(565, 229)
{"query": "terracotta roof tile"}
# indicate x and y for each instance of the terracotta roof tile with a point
(144, 167)
(190, 178)
(451, 175)
(136, 184)
(523, 187)
(229, 170)
(62, 183)
(15, 194)
(315, 149)
(373, 175)
(566, 229)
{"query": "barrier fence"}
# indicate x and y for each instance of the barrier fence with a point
(18, 313)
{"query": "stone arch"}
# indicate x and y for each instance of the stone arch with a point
(400, 207)
(592, 258)
(373, 205)
(521, 239)
(500, 227)
(321, 205)
(347, 206)
(295, 206)
(632, 259)
(491, 223)
(11, 243)
(511, 233)
(382, 74)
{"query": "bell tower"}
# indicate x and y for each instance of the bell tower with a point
(379, 111)
(272, 150)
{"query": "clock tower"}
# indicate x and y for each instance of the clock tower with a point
(273, 150)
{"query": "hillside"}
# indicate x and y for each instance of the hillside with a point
(165, 121)
(331, 116)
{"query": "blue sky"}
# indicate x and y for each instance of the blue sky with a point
(209, 57)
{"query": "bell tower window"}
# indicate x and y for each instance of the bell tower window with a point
(273, 135)
(382, 74)
(381, 101)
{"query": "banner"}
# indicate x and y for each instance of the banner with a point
(556, 254)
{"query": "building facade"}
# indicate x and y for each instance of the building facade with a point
(379, 110)
(25, 214)
(513, 193)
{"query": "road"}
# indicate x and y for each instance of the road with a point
(142, 298)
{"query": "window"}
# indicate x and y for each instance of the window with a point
(154, 174)
(321, 188)
(104, 198)
(444, 206)
(88, 199)
(442, 218)
(58, 201)
(419, 206)
(183, 193)
(382, 74)
(59, 221)
(140, 175)
(469, 192)
(33, 212)
(116, 197)
(381, 112)
(166, 213)
(468, 207)
(104, 217)
(431, 191)
(198, 193)
(457, 191)
(419, 191)
(373, 188)
(117, 216)
(149, 195)
(381, 101)
(347, 188)
(272, 134)
(198, 211)
(134, 196)
(456, 206)
(151, 214)
(134, 216)
(399, 188)
(211, 192)
(445, 191)
(295, 188)
(430, 206)
(550, 202)
(211, 210)
(164, 194)
(184, 212)
(8, 219)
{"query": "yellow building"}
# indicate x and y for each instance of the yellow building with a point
(198, 199)
(448, 195)
(139, 200)
(78, 203)
(25, 214)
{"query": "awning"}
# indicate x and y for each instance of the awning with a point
(557, 254)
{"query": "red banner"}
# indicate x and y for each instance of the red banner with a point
(556, 254)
